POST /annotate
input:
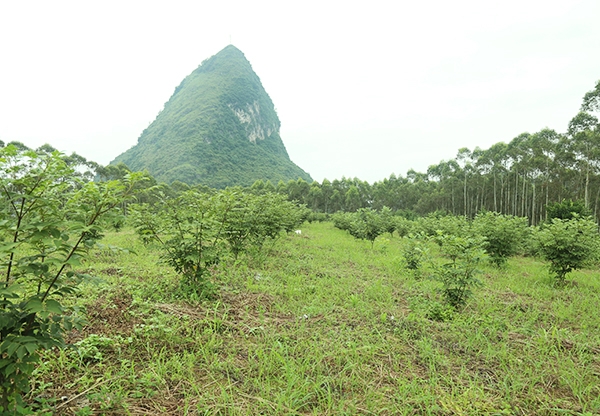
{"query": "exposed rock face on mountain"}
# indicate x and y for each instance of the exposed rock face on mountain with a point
(219, 128)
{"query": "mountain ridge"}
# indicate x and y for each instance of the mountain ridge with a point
(219, 128)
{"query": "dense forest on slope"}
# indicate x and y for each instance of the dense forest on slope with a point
(219, 128)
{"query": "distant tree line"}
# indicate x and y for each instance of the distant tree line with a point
(519, 178)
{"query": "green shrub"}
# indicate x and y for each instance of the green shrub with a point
(434, 224)
(414, 253)
(49, 218)
(388, 220)
(568, 245)
(567, 209)
(197, 230)
(342, 220)
(458, 276)
(503, 235)
(317, 217)
(367, 225)
(403, 226)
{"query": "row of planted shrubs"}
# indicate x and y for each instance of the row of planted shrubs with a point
(568, 241)
(196, 230)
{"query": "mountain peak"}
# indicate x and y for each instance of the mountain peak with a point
(219, 128)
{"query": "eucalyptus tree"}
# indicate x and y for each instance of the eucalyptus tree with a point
(464, 160)
(584, 131)
(298, 190)
(389, 192)
(258, 187)
(445, 174)
(416, 189)
(517, 151)
(591, 100)
(491, 162)
(314, 199)
(479, 180)
(352, 200)
(584, 128)
(269, 187)
(281, 187)
(543, 144)
(336, 200)
(327, 192)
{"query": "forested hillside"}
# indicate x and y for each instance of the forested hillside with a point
(219, 128)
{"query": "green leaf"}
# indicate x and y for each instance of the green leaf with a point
(10, 369)
(34, 306)
(8, 247)
(74, 261)
(12, 347)
(54, 306)
(31, 347)
(21, 351)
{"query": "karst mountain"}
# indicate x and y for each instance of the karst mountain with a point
(219, 129)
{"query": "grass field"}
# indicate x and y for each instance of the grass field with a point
(325, 325)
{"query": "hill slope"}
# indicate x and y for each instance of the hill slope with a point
(219, 128)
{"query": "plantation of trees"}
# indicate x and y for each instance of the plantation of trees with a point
(519, 178)
(246, 315)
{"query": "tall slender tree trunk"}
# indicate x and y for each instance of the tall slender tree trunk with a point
(495, 198)
(587, 184)
(596, 204)
(508, 193)
(502, 197)
(547, 198)
(523, 200)
(533, 219)
(516, 193)
(465, 196)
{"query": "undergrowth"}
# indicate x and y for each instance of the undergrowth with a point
(325, 325)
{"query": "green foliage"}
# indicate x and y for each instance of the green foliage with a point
(568, 245)
(436, 223)
(458, 276)
(197, 230)
(343, 220)
(437, 311)
(403, 226)
(49, 218)
(305, 316)
(191, 229)
(503, 235)
(567, 209)
(366, 225)
(415, 252)
(317, 217)
(388, 220)
(219, 128)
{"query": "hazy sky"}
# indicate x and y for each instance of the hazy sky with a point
(362, 89)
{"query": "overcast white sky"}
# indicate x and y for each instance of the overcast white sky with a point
(362, 89)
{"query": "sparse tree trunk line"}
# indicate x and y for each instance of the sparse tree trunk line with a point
(519, 178)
